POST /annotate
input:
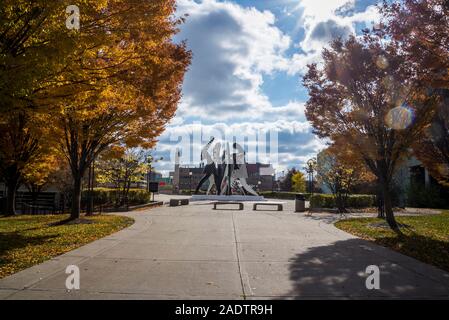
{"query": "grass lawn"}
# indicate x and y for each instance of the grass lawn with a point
(425, 238)
(28, 240)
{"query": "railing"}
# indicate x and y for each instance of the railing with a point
(36, 203)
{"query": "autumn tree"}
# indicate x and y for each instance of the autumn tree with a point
(138, 90)
(286, 181)
(336, 176)
(37, 174)
(31, 47)
(421, 28)
(341, 170)
(115, 81)
(298, 182)
(129, 168)
(364, 95)
(356, 170)
(20, 132)
(34, 45)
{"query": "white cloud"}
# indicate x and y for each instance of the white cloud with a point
(324, 22)
(233, 48)
(369, 16)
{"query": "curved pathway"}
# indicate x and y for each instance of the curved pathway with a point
(198, 253)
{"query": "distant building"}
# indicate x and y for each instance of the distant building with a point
(163, 181)
(261, 176)
(187, 178)
(411, 172)
(155, 176)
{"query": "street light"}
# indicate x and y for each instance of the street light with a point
(190, 176)
(151, 160)
(311, 165)
(258, 184)
(272, 182)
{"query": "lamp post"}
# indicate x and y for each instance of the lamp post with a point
(90, 187)
(151, 160)
(190, 184)
(273, 180)
(258, 185)
(311, 164)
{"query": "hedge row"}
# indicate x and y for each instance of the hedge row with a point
(353, 201)
(433, 196)
(106, 196)
(283, 195)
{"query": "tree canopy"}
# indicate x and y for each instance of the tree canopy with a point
(298, 182)
(365, 95)
(115, 81)
(421, 29)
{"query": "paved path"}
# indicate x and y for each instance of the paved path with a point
(198, 253)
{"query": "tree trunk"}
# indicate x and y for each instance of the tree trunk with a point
(389, 209)
(90, 202)
(76, 201)
(340, 203)
(34, 195)
(127, 194)
(380, 202)
(12, 185)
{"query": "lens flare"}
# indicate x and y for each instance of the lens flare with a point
(388, 82)
(399, 118)
(382, 62)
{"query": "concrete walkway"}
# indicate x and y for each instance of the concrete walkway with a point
(193, 252)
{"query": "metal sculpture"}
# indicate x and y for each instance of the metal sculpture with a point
(240, 172)
(209, 170)
(226, 173)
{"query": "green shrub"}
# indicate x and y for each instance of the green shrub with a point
(106, 196)
(418, 196)
(283, 195)
(353, 201)
(322, 201)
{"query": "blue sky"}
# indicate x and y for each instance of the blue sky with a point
(248, 60)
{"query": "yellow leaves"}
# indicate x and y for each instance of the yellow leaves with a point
(298, 182)
(38, 171)
(28, 240)
(117, 81)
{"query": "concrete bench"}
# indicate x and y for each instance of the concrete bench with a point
(240, 204)
(178, 202)
(279, 205)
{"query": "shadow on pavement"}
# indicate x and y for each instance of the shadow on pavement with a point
(338, 271)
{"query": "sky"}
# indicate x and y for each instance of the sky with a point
(249, 57)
